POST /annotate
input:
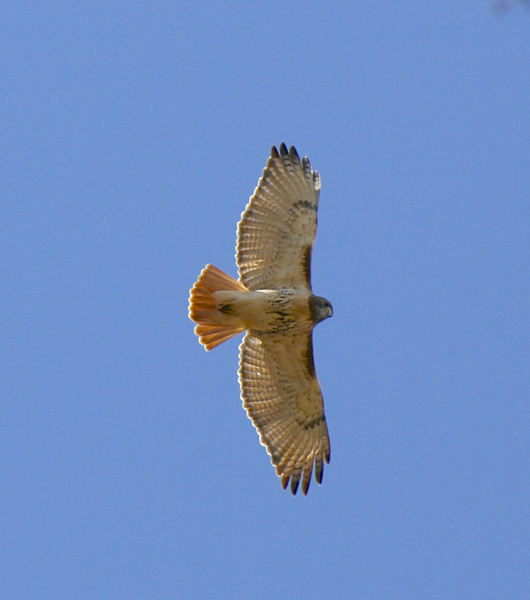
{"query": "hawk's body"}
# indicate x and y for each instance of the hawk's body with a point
(274, 303)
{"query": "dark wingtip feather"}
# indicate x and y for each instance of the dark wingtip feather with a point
(319, 470)
(294, 154)
(294, 484)
(274, 152)
(283, 150)
(318, 475)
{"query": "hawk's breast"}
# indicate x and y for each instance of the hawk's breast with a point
(270, 311)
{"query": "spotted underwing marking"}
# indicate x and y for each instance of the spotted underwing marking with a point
(306, 262)
(309, 358)
(312, 423)
(304, 205)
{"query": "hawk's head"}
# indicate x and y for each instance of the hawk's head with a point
(320, 309)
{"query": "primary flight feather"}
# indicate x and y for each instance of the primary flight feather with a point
(274, 304)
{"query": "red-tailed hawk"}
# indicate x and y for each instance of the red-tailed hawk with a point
(274, 304)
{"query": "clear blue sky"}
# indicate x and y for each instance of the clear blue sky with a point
(132, 135)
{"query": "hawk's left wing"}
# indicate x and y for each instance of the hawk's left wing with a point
(277, 229)
(282, 397)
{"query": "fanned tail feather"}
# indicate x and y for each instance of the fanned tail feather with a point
(213, 327)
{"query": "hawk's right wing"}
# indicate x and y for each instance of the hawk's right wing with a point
(277, 229)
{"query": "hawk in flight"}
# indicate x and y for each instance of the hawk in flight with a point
(274, 304)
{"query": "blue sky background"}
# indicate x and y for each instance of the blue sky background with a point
(133, 134)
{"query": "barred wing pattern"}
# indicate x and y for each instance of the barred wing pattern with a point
(282, 397)
(278, 227)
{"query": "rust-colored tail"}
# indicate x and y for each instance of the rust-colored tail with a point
(213, 326)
